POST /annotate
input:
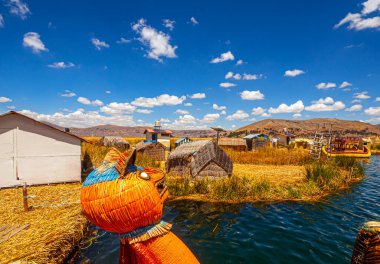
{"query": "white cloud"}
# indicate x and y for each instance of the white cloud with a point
(115, 108)
(227, 85)
(323, 85)
(80, 118)
(193, 21)
(326, 104)
(374, 111)
(345, 84)
(157, 41)
(238, 115)
(327, 100)
(61, 65)
(375, 120)
(123, 41)
(297, 115)
(108, 92)
(252, 95)
(354, 108)
(98, 44)
(86, 101)
(377, 99)
(182, 112)
(239, 62)
(223, 112)
(68, 93)
(11, 107)
(357, 22)
(266, 115)
(361, 21)
(185, 120)
(18, 8)
(164, 99)
(32, 40)
(188, 104)
(219, 107)
(293, 73)
(230, 75)
(223, 57)
(258, 111)
(168, 23)
(250, 77)
(356, 101)
(144, 111)
(210, 118)
(370, 6)
(362, 95)
(1, 21)
(5, 100)
(297, 107)
(198, 96)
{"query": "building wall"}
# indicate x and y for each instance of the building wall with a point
(36, 154)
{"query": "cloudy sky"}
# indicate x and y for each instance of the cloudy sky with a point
(192, 64)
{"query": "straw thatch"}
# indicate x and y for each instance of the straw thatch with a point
(237, 144)
(152, 150)
(118, 142)
(198, 159)
(56, 224)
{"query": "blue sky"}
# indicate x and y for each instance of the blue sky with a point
(192, 64)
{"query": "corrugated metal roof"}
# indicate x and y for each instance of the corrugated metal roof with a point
(250, 136)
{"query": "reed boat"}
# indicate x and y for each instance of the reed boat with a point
(347, 147)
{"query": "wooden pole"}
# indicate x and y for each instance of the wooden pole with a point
(25, 197)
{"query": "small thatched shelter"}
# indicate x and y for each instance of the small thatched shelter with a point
(201, 158)
(151, 150)
(237, 144)
(256, 141)
(118, 142)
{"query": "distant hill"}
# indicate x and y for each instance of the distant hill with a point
(137, 131)
(300, 127)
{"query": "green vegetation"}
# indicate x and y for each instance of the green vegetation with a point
(320, 178)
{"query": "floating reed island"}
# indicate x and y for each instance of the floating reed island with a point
(49, 232)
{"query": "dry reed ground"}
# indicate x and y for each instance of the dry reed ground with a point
(56, 223)
(276, 175)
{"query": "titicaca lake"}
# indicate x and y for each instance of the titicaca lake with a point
(288, 232)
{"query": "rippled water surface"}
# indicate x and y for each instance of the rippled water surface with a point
(291, 232)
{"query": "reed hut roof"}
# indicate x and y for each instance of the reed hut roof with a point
(143, 144)
(188, 149)
(200, 153)
(232, 142)
(109, 141)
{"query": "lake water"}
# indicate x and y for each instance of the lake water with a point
(288, 232)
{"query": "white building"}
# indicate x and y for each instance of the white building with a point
(36, 153)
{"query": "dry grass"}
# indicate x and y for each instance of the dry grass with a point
(271, 156)
(55, 218)
(251, 183)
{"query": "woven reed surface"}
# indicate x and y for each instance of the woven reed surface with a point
(169, 249)
(199, 158)
(367, 245)
(232, 142)
(109, 141)
(122, 205)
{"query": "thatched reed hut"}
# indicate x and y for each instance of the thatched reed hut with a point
(256, 141)
(237, 144)
(117, 142)
(203, 158)
(151, 150)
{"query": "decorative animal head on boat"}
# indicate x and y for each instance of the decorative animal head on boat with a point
(120, 197)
